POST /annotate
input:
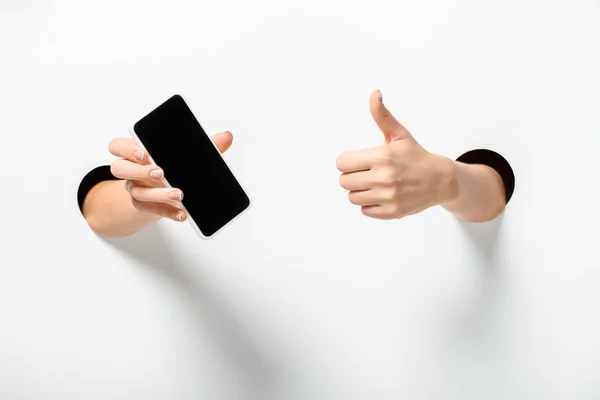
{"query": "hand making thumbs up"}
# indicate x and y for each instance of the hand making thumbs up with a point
(399, 178)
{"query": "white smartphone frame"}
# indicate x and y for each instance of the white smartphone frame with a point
(166, 183)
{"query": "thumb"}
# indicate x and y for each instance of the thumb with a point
(222, 141)
(391, 128)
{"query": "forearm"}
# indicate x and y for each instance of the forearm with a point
(479, 194)
(109, 211)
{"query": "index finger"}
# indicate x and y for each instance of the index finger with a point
(128, 149)
(357, 160)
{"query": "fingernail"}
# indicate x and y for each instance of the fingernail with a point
(176, 195)
(138, 155)
(156, 173)
(380, 96)
(179, 217)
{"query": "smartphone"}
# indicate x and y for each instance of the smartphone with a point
(175, 141)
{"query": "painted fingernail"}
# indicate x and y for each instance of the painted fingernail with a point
(176, 195)
(156, 173)
(138, 155)
(179, 217)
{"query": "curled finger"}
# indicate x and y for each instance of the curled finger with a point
(128, 149)
(161, 209)
(165, 195)
(363, 197)
(377, 211)
(124, 169)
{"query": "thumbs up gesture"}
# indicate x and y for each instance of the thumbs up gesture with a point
(399, 178)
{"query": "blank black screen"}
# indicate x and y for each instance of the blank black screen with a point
(177, 143)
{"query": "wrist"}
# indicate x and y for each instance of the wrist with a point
(448, 184)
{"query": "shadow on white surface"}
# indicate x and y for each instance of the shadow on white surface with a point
(480, 321)
(257, 376)
(480, 341)
(485, 238)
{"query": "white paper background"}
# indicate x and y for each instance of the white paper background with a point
(302, 298)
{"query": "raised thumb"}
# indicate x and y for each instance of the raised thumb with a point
(391, 128)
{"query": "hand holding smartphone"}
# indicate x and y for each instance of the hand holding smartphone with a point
(175, 140)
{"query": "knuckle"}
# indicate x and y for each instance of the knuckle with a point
(386, 176)
(339, 162)
(116, 146)
(137, 193)
(355, 198)
(352, 198)
(391, 193)
(115, 168)
(384, 156)
(112, 145)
